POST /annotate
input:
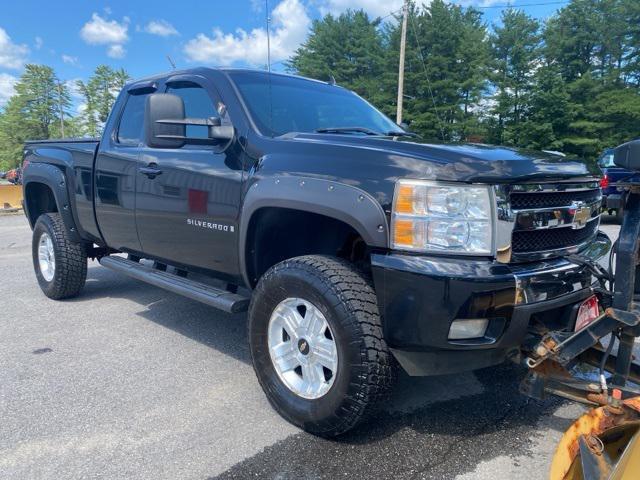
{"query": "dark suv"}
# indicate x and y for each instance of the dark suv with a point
(612, 198)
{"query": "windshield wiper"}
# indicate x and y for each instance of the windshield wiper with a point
(394, 133)
(364, 130)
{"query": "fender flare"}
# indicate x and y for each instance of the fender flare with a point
(54, 178)
(340, 201)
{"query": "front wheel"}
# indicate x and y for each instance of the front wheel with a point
(317, 346)
(60, 264)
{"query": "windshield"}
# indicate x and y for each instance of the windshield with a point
(606, 161)
(288, 104)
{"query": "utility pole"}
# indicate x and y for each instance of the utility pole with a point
(403, 42)
(61, 110)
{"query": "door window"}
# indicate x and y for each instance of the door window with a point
(197, 104)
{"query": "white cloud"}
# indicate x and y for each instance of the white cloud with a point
(38, 43)
(101, 31)
(6, 87)
(161, 28)
(289, 26)
(375, 8)
(116, 51)
(69, 60)
(12, 55)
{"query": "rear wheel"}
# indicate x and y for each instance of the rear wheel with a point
(316, 343)
(60, 264)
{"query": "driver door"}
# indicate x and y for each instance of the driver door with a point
(187, 214)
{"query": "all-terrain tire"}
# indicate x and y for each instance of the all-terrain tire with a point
(366, 368)
(70, 272)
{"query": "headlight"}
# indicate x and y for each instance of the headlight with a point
(437, 217)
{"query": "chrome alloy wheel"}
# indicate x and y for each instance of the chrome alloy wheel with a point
(46, 257)
(302, 348)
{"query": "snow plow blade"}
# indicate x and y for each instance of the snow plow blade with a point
(602, 444)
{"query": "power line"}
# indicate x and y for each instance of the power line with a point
(511, 5)
(390, 14)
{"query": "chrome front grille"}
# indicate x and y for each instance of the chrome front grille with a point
(551, 238)
(524, 200)
(537, 221)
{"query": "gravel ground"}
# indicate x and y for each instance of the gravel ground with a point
(129, 381)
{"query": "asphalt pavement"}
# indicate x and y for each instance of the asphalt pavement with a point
(129, 381)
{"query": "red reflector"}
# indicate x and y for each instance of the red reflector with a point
(588, 312)
(198, 201)
(604, 182)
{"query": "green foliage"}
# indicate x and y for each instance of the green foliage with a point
(347, 47)
(100, 93)
(452, 42)
(363, 55)
(515, 46)
(32, 113)
(40, 109)
(571, 84)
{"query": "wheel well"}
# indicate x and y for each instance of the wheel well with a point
(39, 199)
(275, 234)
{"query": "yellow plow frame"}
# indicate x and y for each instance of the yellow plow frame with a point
(602, 444)
(10, 197)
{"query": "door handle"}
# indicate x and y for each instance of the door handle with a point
(151, 170)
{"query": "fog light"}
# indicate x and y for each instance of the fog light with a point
(468, 328)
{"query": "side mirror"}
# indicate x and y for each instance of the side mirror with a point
(161, 106)
(165, 124)
(627, 155)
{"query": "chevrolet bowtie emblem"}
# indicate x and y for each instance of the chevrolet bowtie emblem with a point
(581, 215)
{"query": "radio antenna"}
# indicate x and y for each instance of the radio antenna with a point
(266, 8)
(173, 65)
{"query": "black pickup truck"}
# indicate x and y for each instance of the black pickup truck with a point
(354, 246)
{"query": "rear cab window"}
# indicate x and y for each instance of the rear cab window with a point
(131, 126)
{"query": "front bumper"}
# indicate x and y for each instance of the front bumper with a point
(419, 297)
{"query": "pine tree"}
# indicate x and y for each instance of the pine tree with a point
(348, 48)
(446, 70)
(100, 93)
(516, 54)
(32, 113)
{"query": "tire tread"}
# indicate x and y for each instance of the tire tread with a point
(377, 370)
(71, 259)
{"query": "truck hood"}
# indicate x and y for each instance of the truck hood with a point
(460, 162)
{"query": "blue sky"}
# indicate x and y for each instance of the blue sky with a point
(74, 36)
